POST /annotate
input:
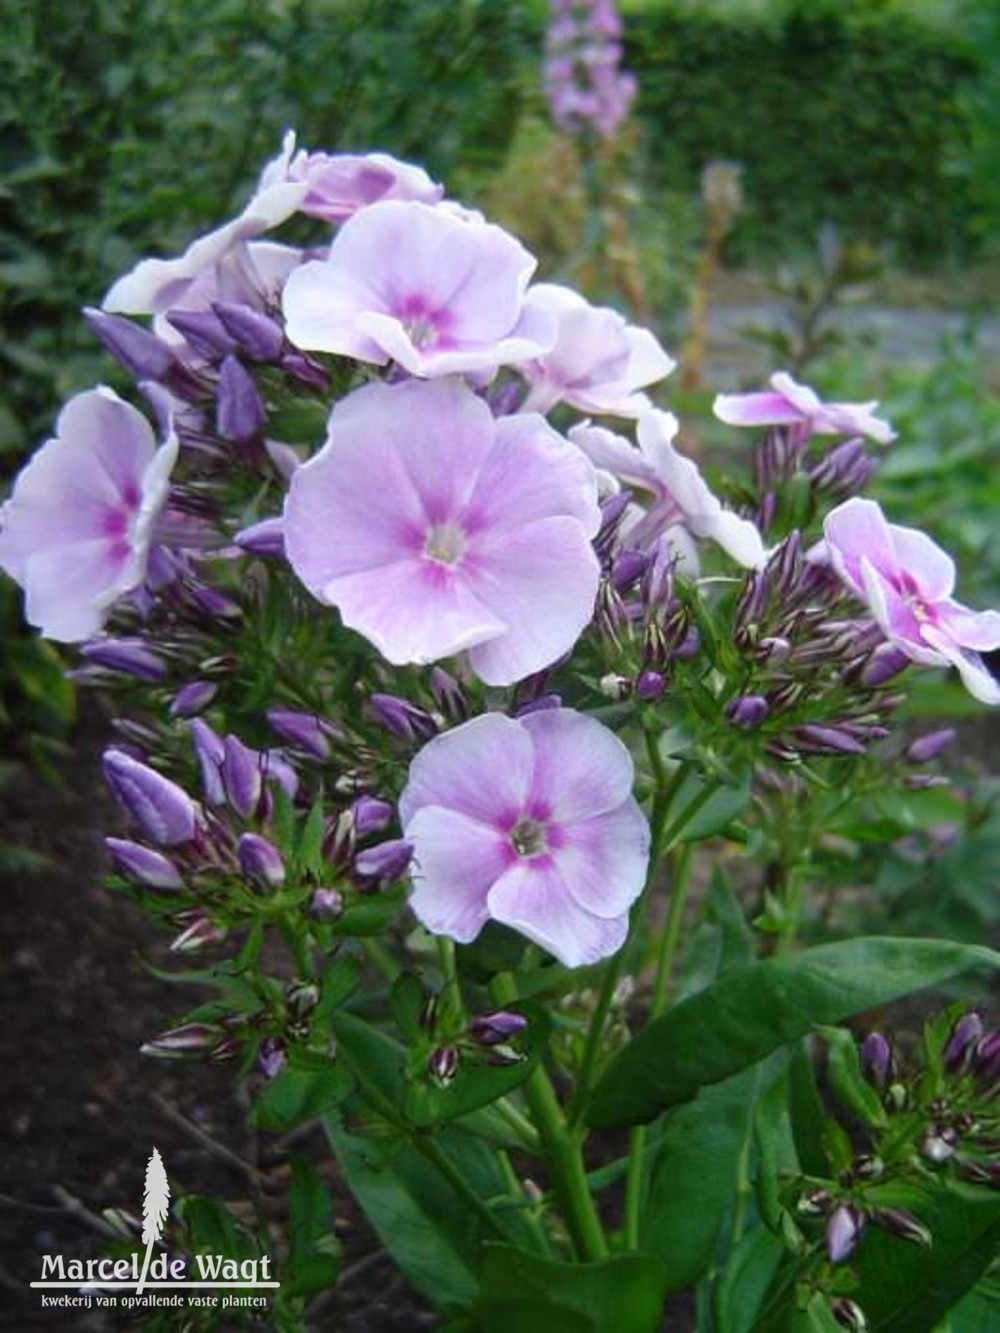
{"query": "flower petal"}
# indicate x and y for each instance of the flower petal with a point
(456, 861)
(603, 861)
(855, 529)
(581, 769)
(923, 562)
(482, 769)
(533, 899)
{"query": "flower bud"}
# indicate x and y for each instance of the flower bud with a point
(239, 411)
(301, 998)
(241, 776)
(190, 1039)
(303, 730)
(442, 1064)
(542, 704)
(326, 905)
(926, 748)
(986, 1061)
(271, 1056)
(883, 664)
(257, 335)
(650, 685)
(209, 750)
(849, 1314)
(131, 657)
(260, 860)
(143, 866)
(192, 698)
(876, 1060)
(142, 353)
(164, 813)
(307, 372)
(959, 1046)
(494, 1029)
(401, 719)
(903, 1224)
(449, 695)
(826, 740)
(384, 863)
(266, 538)
(747, 711)
(203, 331)
(627, 568)
(198, 934)
(371, 815)
(935, 1146)
(813, 1203)
(843, 1230)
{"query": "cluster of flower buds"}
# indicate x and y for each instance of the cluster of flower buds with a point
(585, 87)
(487, 1038)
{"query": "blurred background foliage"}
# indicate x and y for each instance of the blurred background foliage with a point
(128, 126)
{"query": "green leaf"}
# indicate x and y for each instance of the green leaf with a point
(408, 998)
(533, 1295)
(370, 916)
(313, 1248)
(807, 1112)
(740, 1288)
(753, 1010)
(849, 1085)
(430, 1230)
(719, 809)
(698, 1160)
(296, 1095)
(906, 1288)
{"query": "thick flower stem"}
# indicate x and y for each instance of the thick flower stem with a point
(562, 1151)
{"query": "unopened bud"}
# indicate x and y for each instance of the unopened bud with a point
(193, 698)
(959, 1046)
(271, 1057)
(494, 1029)
(747, 711)
(144, 866)
(849, 1314)
(371, 815)
(400, 718)
(200, 934)
(176, 1043)
(876, 1059)
(442, 1064)
(303, 730)
(239, 411)
(928, 747)
(650, 686)
(615, 687)
(257, 335)
(884, 663)
(449, 695)
(265, 538)
(260, 860)
(241, 776)
(130, 657)
(627, 568)
(843, 1231)
(326, 905)
(301, 998)
(900, 1223)
(163, 811)
(384, 863)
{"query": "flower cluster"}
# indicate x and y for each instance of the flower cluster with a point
(583, 82)
(362, 427)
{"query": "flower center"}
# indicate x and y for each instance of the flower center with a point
(445, 543)
(528, 837)
(421, 330)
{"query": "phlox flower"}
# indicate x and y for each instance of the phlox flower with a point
(792, 404)
(338, 184)
(434, 528)
(438, 293)
(906, 581)
(681, 498)
(77, 531)
(598, 363)
(530, 822)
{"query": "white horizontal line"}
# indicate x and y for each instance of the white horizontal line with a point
(134, 1286)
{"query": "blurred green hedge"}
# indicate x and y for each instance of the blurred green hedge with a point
(838, 110)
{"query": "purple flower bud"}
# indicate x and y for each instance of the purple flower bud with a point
(986, 1061)
(371, 815)
(442, 1064)
(141, 353)
(304, 730)
(198, 934)
(209, 750)
(926, 748)
(826, 740)
(257, 335)
(542, 704)
(747, 711)
(307, 372)
(650, 685)
(849, 1315)
(265, 538)
(143, 866)
(339, 840)
(218, 605)
(898, 1222)
(449, 695)
(964, 1036)
(242, 777)
(260, 860)
(506, 400)
(876, 1060)
(203, 331)
(190, 1039)
(129, 656)
(493, 1029)
(190, 699)
(401, 719)
(163, 811)
(239, 411)
(384, 863)
(658, 580)
(326, 905)
(843, 1230)
(271, 1057)
(884, 663)
(627, 568)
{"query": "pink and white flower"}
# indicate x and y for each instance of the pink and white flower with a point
(906, 581)
(434, 528)
(792, 404)
(77, 531)
(682, 501)
(407, 282)
(530, 822)
(599, 363)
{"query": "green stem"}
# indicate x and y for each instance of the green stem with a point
(671, 935)
(381, 959)
(562, 1148)
(521, 1125)
(595, 1035)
